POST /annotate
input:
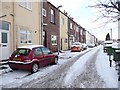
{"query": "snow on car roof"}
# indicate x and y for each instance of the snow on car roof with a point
(108, 41)
(31, 46)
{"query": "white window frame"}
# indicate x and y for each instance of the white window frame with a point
(44, 12)
(62, 20)
(52, 16)
(25, 36)
(77, 29)
(54, 39)
(81, 31)
(71, 26)
(26, 4)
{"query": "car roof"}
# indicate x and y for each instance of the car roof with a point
(31, 46)
(108, 41)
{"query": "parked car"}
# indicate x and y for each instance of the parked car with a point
(31, 58)
(76, 47)
(91, 45)
(107, 44)
(84, 46)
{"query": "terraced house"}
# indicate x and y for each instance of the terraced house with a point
(20, 24)
(26, 22)
(63, 31)
(51, 29)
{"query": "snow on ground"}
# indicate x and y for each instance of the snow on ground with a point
(109, 74)
(63, 57)
(17, 78)
(77, 68)
(12, 79)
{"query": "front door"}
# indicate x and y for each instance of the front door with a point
(45, 38)
(4, 42)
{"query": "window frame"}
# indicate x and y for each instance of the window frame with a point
(71, 25)
(62, 20)
(52, 15)
(27, 4)
(47, 51)
(54, 39)
(40, 52)
(44, 12)
(26, 33)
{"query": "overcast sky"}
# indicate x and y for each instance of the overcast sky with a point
(85, 16)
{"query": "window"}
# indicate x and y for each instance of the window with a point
(25, 36)
(81, 31)
(38, 52)
(54, 39)
(26, 4)
(65, 40)
(62, 20)
(71, 27)
(44, 12)
(77, 29)
(4, 37)
(74, 27)
(23, 52)
(52, 17)
(4, 25)
(46, 51)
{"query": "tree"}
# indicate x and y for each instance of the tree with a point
(109, 9)
(107, 37)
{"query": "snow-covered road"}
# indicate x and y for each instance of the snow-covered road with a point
(82, 70)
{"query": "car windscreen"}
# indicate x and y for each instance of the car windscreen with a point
(21, 51)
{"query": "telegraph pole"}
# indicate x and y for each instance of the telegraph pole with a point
(111, 33)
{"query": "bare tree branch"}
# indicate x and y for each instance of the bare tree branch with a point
(109, 9)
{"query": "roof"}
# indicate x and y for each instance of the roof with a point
(31, 46)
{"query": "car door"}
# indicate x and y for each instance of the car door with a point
(49, 57)
(38, 55)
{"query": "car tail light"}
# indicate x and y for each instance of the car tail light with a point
(17, 59)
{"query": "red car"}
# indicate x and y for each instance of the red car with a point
(31, 58)
(76, 47)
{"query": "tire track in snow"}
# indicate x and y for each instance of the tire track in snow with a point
(89, 78)
(55, 78)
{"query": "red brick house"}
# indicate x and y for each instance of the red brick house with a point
(51, 34)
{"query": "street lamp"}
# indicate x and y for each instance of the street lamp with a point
(111, 33)
(59, 6)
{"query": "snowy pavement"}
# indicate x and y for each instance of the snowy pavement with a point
(87, 69)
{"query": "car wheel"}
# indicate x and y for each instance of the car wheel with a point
(55, 60)
(34, 68)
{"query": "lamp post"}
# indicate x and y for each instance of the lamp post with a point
(59, 32)
(111, 33)
(59, 6)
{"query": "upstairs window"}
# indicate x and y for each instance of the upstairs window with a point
(71, 27)
(44, 12)
(26, 4)
(62, 20)
(52, 16)
(77, 29)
